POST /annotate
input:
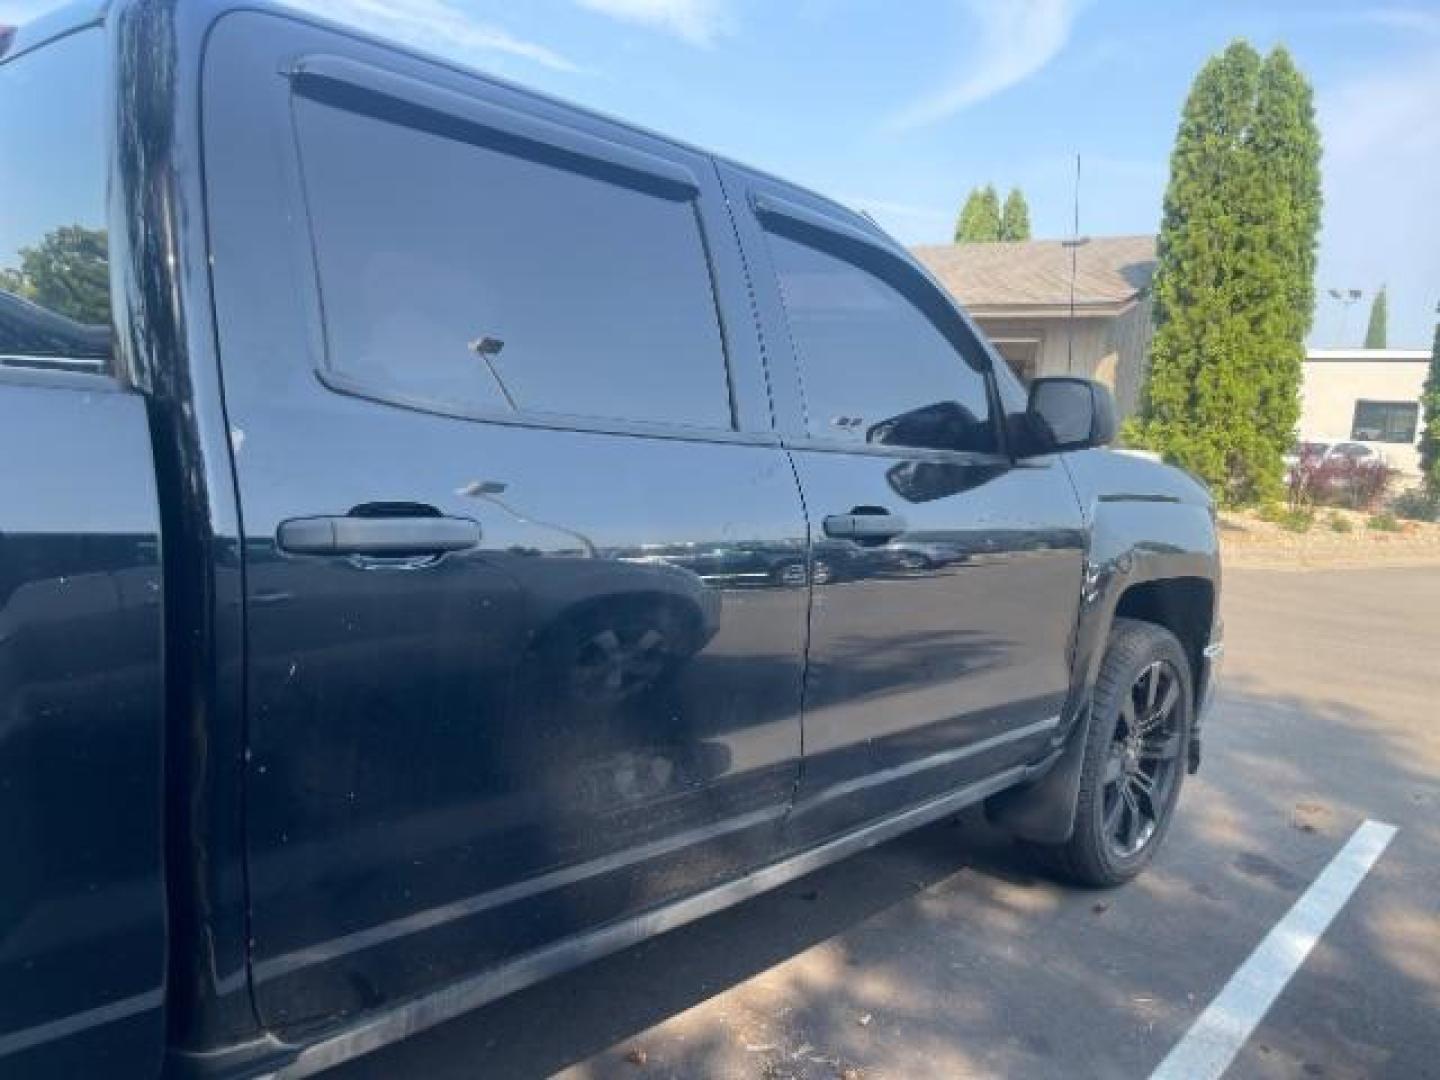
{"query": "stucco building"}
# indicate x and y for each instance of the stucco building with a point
(1369, 396)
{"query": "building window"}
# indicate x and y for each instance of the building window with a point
(1385, 421)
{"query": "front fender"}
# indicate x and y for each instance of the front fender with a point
(1144, 522)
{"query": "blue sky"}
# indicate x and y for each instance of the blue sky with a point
(900, 107)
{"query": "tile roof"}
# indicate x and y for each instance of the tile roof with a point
(1110, 271)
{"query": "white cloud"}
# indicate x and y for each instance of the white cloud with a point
(1013, 39)
(1381, 218)
(699, 22)
(436, 25)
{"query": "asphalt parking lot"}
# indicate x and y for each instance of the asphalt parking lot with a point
(945, 954)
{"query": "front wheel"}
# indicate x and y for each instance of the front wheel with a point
(1135, 755)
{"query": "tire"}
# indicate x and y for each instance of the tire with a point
(1131, 746)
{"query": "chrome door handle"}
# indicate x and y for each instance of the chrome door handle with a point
(864, 526)
(393, 537)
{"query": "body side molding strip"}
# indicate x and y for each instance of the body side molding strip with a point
(468, 994)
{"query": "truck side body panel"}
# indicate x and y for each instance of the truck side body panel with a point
(82, 914)
(82, 893)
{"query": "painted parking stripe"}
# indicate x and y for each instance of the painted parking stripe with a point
(1217, 1036)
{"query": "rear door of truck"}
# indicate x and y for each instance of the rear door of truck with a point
(82, 917)
(523, 655)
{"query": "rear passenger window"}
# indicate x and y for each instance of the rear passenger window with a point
(461, 275)
(875, 366)
(54, 249)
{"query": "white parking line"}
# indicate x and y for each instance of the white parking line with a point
(1221, 1030)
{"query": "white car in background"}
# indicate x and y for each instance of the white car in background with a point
(1320, 451)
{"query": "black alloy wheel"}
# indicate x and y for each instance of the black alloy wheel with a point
(1144, 759)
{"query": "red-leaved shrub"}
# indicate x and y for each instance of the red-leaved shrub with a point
(1339, 481)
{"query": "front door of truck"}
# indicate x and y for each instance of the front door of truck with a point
(946, 576)
(500, 441)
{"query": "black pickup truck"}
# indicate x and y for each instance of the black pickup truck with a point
(446, 536)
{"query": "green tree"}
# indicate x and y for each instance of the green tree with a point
(1286, 144)
(1234, 289)
(1375, 332)
(67, 272)
(1430, 410)
(979, 220)
(1015, 217)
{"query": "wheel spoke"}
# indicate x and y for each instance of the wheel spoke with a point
(1154, 672)
(1157, 715)
(1169, 701)
(1114, 767)
(1162, 748)
(1133, 819)
(1111, 824)
(1127, 713)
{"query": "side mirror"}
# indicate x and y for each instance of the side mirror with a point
(1066, 413)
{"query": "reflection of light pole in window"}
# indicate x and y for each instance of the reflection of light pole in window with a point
(1346, 298)
(487, 348)
(491, 490)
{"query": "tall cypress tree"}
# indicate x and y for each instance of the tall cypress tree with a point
(1286, 145)
(1376, 331)
(1015, 217)
(1234, 289)
(979, 220)
(1430, 410)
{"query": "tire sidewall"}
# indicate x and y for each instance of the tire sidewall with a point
(1122, 666)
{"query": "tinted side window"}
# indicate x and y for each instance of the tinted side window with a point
(54, 266)
(875, 366)
(469, 276)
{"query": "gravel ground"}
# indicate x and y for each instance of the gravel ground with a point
(1251, 542)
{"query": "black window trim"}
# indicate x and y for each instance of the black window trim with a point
(772, 210)
(363, 88)
(413, 103)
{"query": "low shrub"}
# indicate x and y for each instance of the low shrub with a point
(1339, 523)
(1385, 522)
(1338, 481)
(1417, 504)
(1297, 519)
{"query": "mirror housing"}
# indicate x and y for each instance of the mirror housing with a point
(1066, 413)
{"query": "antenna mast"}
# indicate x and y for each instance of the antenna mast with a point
(1074, 245)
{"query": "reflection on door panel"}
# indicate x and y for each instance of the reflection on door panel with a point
(460, 757)
(947, 582)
